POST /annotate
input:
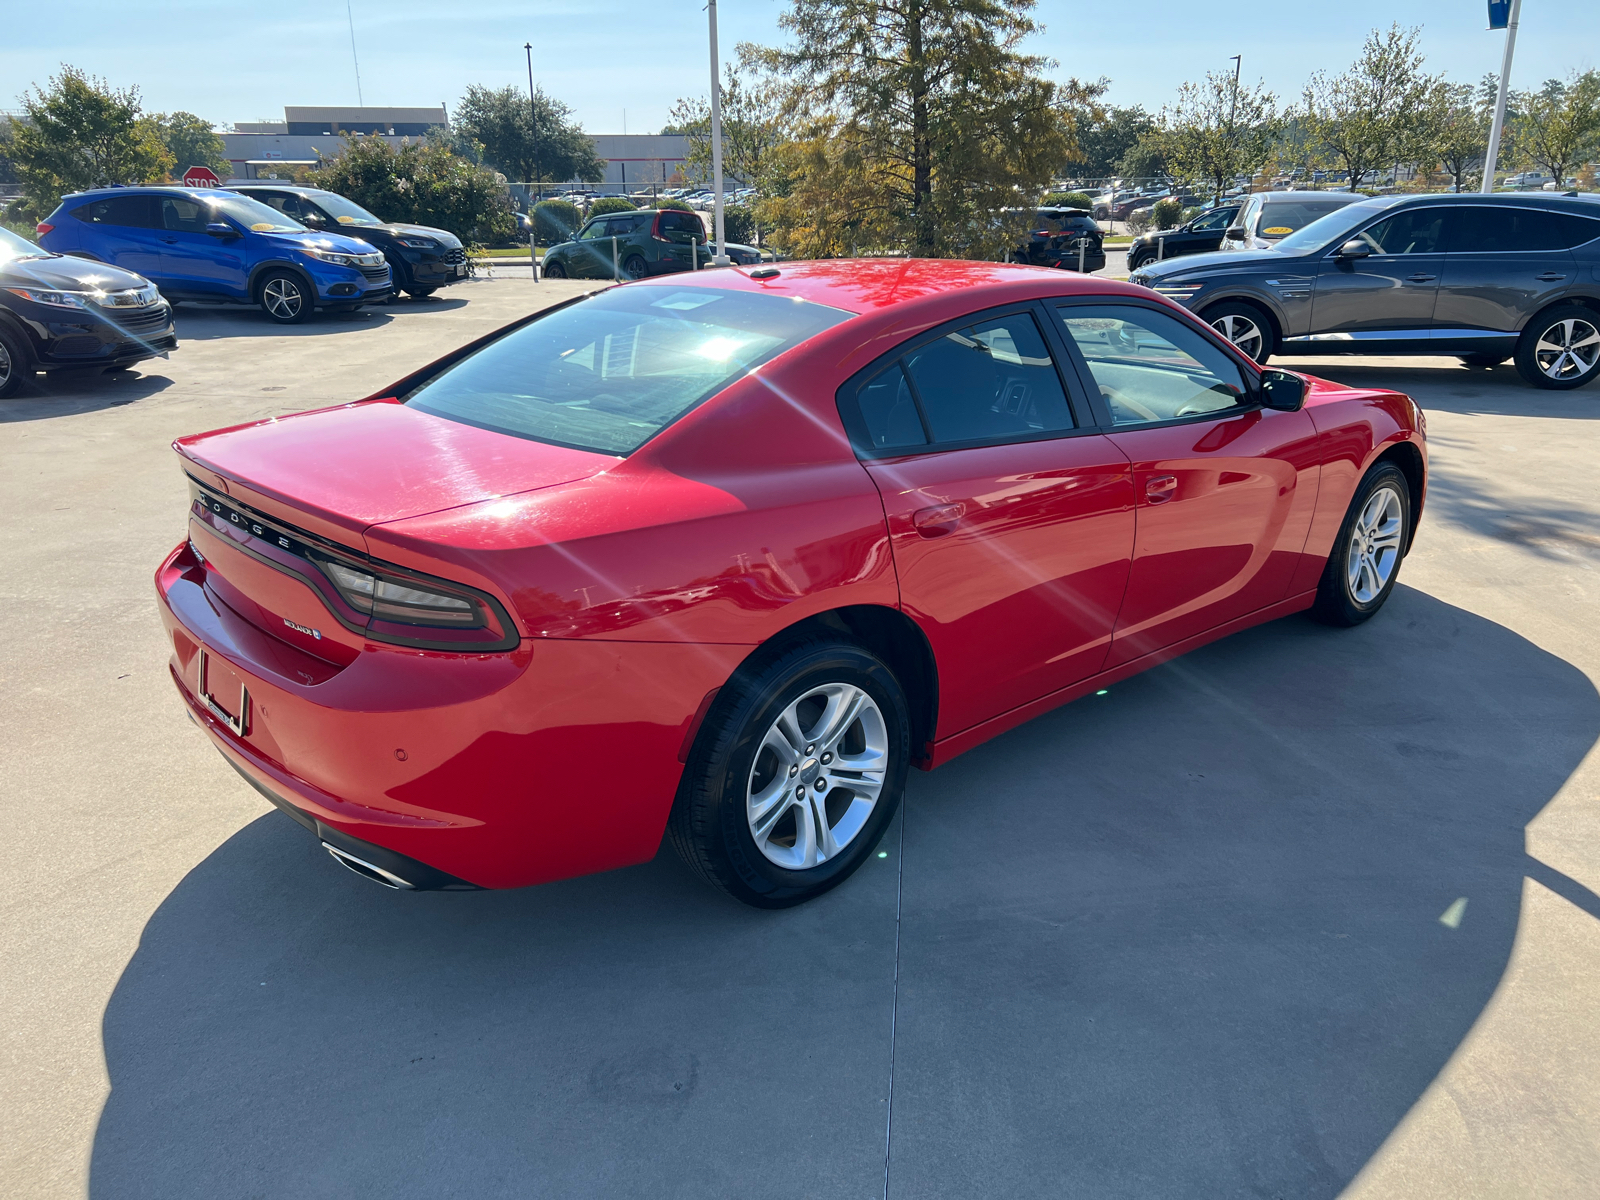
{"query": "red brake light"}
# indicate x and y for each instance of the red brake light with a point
(42, 228)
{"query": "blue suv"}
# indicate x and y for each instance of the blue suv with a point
(219, 247)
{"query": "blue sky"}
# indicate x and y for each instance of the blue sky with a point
(244, 62)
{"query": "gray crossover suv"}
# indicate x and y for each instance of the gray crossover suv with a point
(1484, 278)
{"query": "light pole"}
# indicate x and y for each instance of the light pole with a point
(721, 258)
(533, 128)
(1497, 127)
(1233, 106)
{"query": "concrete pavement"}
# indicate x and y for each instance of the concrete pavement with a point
(1180, 940)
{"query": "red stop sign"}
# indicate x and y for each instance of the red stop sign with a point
(201, 177)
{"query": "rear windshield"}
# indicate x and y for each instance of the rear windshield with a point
(612, 371)
(1279, 218)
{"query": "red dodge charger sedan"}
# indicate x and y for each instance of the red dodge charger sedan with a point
(724, 555)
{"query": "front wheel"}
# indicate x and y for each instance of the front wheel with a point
(795, 774)
(1245, 325)
(284, 298)
(1561, 349)
(554, 271)
(420, 293)
(1365, 562)
(15, 365)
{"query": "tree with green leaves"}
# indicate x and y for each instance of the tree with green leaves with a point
(1383, 110)
(1558, 127)
(1146, 159)
(1462, 139)
(422, 183)
(1103, 144)
(192, 143)
(79, 133)
(920, 123)
(1217, 131)
(528, 143)
(752, 119)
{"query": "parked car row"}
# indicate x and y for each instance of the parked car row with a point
(632, 245)
(1486, 278)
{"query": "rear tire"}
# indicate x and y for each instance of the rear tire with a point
(635, 267)
(16, 364)
(1245, 325)
(775, 819)
(420, 293)
(1366, 556)
(1560, 349)
(285, 298)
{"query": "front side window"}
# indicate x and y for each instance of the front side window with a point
(1414, 231)
(595, 230)
(1213, 221)
(610, 372)
(1150, 366)
(182, 215)
(989, 382)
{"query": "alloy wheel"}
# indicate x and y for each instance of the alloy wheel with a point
(817, 776)
(1567, 349)
(6, 365)
(283, 298)
(1374, 548)
(1242, 332)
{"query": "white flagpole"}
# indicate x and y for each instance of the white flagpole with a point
(721, 259)
(1498, 126)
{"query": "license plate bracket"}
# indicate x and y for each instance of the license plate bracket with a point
(226, 677)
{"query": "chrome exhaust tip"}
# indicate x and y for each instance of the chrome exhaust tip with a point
(367, 870)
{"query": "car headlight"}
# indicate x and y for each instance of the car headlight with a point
(53, 298)
(341, 258)
(419, 243)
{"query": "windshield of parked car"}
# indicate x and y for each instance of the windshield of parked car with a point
(253, 215)
(1332, 227)
(346, 212)
(612, 371)
(1280, 218)
(13, 246)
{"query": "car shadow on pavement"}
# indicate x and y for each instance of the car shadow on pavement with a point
(207, 322)
(1181, 939)
(1447, 386)
(69, 393)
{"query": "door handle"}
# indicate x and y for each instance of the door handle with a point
(938, 520)
(1420, 278)
(1550, 277)
(1160, 489)
(170, 241)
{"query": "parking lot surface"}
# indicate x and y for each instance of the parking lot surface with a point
(1306, 913)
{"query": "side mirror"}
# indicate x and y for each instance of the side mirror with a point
(1236, 233)
(221, 229)
(1283, 391)
(1355, 248)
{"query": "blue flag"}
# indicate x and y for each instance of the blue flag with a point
(1499, 13)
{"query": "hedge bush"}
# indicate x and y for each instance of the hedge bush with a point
(1167, 214)
(611, 204)
(668, 202)
(1138, 222)
(1067, 200)
(421, 183)
(555, 221)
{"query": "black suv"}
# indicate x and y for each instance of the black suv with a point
(58, 312)
(1204, 232)
(1485, 278)
(1063, 237)
(423, 259)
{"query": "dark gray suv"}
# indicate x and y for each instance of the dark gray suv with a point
(1485, 278)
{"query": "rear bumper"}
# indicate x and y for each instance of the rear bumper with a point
(557, 758)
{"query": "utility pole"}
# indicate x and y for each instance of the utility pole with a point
(350, 16)
(721, 259)
(1499, 124)
(1233, 106)
(533, 126)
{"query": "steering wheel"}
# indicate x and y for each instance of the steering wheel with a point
(1117, 399)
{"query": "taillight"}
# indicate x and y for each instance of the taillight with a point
(390, 599)
(43, 227)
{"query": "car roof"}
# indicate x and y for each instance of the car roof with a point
(144, 189)
(1299, 195)
(876, 284)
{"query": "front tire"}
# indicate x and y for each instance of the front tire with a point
(16, 365)
(1245, 325)
(795, 774)
(285, 298)
(1561, 349)
(554, 271)
(1365, 561)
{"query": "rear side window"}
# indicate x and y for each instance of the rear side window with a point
(136, 212)
(889, 412)
(1580, 229)
(610, 372)
(989, 382)
(1490, 229)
